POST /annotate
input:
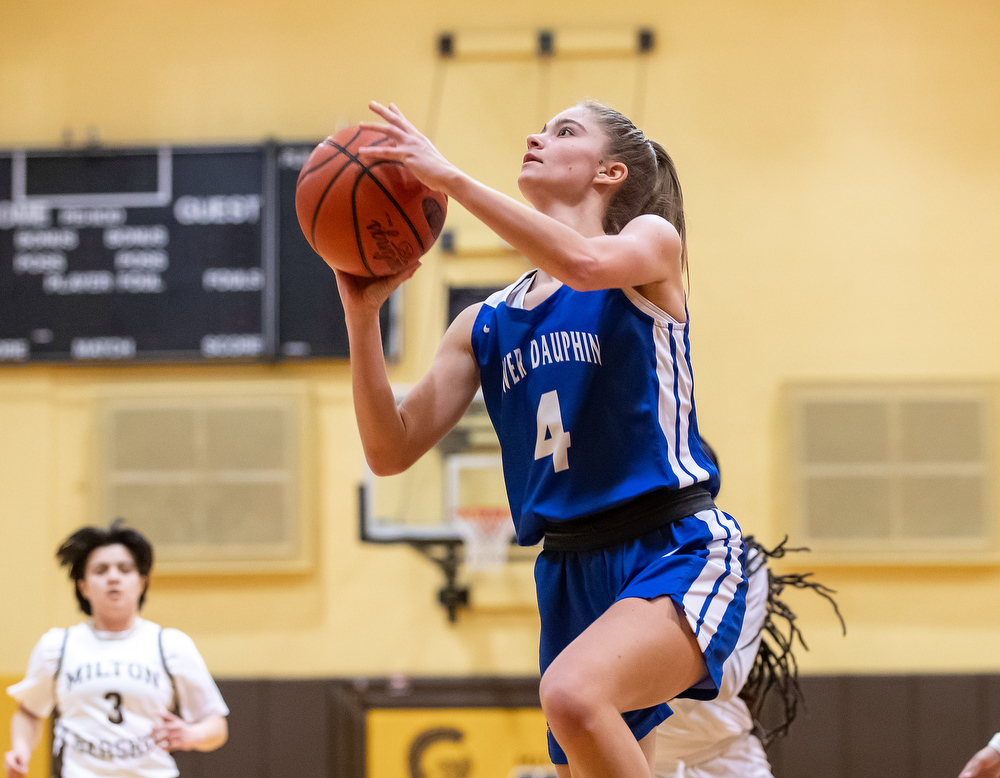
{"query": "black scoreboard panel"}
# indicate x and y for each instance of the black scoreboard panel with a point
(137, 254)
(163, 254)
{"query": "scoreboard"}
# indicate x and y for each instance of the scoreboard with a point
(163, 254)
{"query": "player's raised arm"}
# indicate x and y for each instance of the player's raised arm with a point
(395, 436)
(567, 233)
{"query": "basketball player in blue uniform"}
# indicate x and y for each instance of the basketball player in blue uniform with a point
(585, 367)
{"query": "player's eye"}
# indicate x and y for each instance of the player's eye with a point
(565, 131)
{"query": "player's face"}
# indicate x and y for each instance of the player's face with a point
(112, 584)
(563, 159)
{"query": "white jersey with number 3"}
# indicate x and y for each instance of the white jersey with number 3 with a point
(108, 689)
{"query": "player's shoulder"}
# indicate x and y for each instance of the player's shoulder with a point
(174, 641)
(468, 315)
(459, 332)
(464, 324)
(654, 231)
(650, 222)
(51, 643)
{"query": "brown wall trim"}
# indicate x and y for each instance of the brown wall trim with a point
(905, 726)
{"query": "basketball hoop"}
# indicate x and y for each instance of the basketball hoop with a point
(486, 532)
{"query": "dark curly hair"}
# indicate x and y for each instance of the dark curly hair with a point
(77, 548)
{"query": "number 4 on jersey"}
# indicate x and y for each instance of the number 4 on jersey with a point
(551, 440)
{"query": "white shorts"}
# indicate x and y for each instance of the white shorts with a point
(743, 757)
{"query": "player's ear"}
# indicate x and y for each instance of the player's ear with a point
(612, 173)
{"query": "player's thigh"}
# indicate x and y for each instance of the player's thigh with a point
(638, 654)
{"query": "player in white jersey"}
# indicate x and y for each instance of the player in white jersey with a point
(714, 738)
(123, 691)
(585, 369)
(718, 738)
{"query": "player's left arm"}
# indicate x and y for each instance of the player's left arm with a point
(172, 733)
(202, 724)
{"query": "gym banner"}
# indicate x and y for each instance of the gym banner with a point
(457, 743)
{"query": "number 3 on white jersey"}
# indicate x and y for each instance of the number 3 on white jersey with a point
(551, 439)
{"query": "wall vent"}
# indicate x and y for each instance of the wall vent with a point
(893, 470)
(214, 482)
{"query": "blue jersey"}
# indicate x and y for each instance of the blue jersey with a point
(592, 398)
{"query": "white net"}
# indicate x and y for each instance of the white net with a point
(486, 532)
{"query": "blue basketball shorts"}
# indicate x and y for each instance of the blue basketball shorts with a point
(697, 561)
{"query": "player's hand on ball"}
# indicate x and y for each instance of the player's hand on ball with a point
(984, 764)
(16, 764)
(173, 734)
(359, 294)
(409, 146)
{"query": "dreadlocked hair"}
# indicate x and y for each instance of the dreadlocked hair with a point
(772, 689)
(651, 186)
(77, 548)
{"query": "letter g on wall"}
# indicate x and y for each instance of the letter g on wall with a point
(422, 743)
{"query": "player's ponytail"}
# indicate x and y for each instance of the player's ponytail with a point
(667, 199)
(651, 186)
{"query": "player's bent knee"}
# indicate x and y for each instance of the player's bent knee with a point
(569, 708)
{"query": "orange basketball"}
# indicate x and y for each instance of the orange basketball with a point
(371, 218)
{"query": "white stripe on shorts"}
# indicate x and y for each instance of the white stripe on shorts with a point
(722, 569)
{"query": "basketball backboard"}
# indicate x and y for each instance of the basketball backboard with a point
(460, 476)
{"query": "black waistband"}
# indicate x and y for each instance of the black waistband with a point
(628, 521)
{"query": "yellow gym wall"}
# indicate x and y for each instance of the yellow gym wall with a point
(841, 174)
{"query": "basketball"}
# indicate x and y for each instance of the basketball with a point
(368, 218)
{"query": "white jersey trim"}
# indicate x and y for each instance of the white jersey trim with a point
(514, 294)
(673, 366)
(659, 316)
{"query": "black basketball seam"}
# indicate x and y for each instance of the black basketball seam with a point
(350, 158)
(303, 174)
(393, 199)
(357, 229)
(399, 209)
(322, 197)
(367, 171)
